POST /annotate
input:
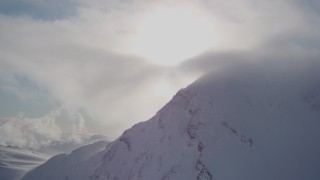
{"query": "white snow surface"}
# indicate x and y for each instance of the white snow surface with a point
(244, 124)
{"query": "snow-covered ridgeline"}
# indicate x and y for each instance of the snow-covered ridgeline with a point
(245, 123)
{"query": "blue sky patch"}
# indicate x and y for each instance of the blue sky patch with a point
(37, 103)
(43, 10)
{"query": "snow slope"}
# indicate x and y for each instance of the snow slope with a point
(66, 146)
(242, 123)
(15, 162)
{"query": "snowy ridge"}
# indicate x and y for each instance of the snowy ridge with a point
(15, 162)
(248, 124)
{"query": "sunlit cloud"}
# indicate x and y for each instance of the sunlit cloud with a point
(169, 35)
(105, 58)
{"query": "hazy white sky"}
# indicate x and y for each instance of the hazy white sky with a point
(107, 61)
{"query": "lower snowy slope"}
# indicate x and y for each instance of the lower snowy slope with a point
(243, 123)
(15, 162)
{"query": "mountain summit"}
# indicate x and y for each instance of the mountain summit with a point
(243, 123)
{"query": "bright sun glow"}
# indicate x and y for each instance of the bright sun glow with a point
(169, 36)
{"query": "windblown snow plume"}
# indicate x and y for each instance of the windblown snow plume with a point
(41, 133)
(246, 122)
(30, 133)
(27, 142)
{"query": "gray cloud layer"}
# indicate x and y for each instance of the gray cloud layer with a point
(82, 58)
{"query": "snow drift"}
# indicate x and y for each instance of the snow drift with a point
(257, 122)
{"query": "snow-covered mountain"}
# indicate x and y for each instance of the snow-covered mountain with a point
(66, 146)
(243, 123)
(15, 162)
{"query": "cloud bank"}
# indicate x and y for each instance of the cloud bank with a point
(30, 133)
(81, 57)
(55, 133)
(37, 133)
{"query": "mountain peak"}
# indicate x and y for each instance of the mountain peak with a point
(248, 124)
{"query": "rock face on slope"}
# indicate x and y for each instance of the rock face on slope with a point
(244, 124)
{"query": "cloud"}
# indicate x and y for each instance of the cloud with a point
(111, 89)
(30, 133)
(83, 62)
(79, 75)
(40, 133)
(261, 31)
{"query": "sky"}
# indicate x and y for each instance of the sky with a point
(99, 67)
